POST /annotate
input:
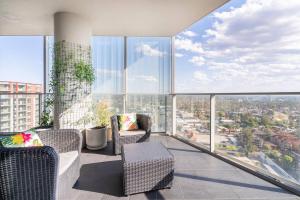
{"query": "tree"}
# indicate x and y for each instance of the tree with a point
(287, 161)
(247, 141)
(247, 120)
(231, 148)
(266, 121)
(274, 154)
(221, 114)
(267, 147)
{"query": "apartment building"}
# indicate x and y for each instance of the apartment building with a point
(19, 105)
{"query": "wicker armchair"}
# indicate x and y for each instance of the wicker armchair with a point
(41, 173)
(127, 137)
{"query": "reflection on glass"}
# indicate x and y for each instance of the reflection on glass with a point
(148, 63)
(108, 62)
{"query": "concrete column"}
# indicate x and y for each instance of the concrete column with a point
(71, 27)
(72, 100)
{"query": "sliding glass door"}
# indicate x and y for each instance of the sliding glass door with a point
(148, 77)
(108, 62)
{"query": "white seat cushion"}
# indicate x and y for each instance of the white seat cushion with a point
(66, 160)
(133, 132)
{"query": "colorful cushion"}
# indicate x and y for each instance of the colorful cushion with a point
(24, 139)
(127, 122)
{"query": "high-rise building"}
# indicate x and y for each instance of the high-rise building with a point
(19, 105)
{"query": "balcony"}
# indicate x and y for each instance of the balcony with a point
(213, 147)
(223, 94)
(4, 118)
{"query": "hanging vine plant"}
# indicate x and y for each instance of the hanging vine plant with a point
(59, 67)
(71, 60)
(84, 72)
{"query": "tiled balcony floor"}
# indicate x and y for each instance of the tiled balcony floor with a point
(197, 176)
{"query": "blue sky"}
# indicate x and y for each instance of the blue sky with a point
(21, 59)
(244, 46)
(184, 68)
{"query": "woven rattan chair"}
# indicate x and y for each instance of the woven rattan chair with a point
(41, 173)
(128, 137)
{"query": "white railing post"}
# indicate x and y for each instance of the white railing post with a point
(173, 74)
(125, 76)
(174, 114)
(212, 121)
(45, 64)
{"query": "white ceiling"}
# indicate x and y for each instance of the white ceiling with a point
(107, 17)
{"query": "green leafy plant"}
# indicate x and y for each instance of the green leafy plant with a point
(66, 56)
(46, 117)
(102, 114)
(84, 72)
(59, 67)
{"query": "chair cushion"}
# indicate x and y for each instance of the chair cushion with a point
(127, 122)
(133, 132)
(23, 139)
(65, 160)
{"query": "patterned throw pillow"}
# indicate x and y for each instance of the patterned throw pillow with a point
(127, 122)
(24, 139)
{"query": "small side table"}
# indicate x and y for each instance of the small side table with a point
(146, 166)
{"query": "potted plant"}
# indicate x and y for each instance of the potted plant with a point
(96, 137)
(46, 120)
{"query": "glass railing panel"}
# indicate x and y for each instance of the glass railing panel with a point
(113, 102)
(260, 131)
(153, 105)
(20, 112)
(193, 118)
(169, 115)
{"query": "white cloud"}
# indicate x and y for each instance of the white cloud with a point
(254, 47)
(110, 72)
(179, 55)
(143, 78)
(188, 45)
(149, 51)
(189, 33)
(201, 76)
(197, 60)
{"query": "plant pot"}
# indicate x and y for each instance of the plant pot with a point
(83, 134)
(109, 134)
(96, 138)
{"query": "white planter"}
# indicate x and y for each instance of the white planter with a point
(96, 138)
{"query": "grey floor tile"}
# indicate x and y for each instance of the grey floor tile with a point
(89, 195)
(197, 176)
(171, 193)
(144, 196)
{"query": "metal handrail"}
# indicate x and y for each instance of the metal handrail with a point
(180, 93)
(24, 93)
(240, 93)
